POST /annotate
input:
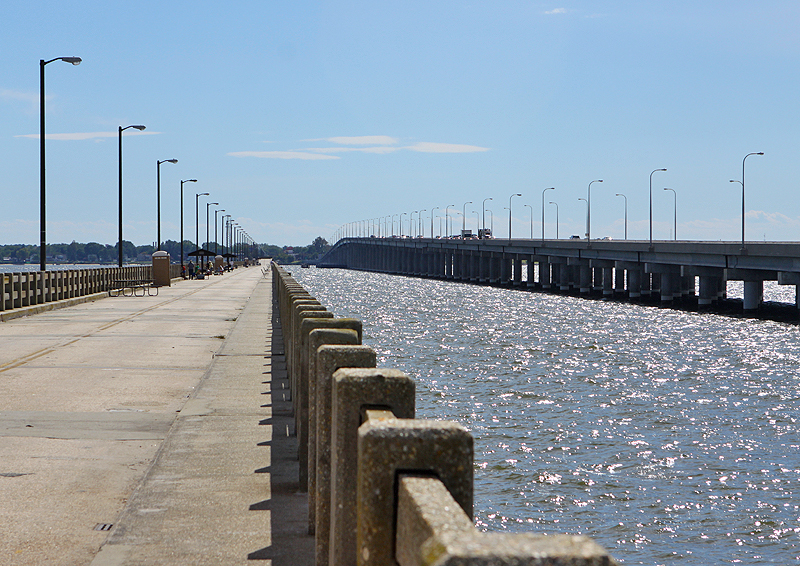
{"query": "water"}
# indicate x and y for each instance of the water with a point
(670, 437)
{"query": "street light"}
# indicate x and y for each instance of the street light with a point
(401, 222)
(464, 217)
(182, 182)
(743, 160)
(651, 206)
(216, 249)
(197, 220)
(529, 206)
(626, 213)
(509, 213)
(42, 216)
(589, 211)
(121, 129)
(432, 215)
(555, 203)
(584, 200)
(158, 196)
(547, 189)
(207, 235)
(483, 208)
(393, 215)
(420, 227)
(446, 219)
(675, 213)
(491, 222)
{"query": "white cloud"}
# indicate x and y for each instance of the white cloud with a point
(374, 149)
(434, 147)
(556, 11)
(359, 140)
(85, 135)
(282, 155)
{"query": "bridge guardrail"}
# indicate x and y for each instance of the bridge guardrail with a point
(385, 487)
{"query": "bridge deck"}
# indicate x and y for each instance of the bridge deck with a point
(164, 417)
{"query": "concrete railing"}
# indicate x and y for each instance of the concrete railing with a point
(30, 288)
(385, 488)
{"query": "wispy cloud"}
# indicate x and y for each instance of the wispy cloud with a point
(373, 144)
(85, 135)
(360, 140)
(556, 11)
(282, 155)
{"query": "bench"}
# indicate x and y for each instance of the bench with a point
(132, 288)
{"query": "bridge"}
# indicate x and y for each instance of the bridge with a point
(634, 269)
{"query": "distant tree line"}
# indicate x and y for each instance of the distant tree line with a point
(93, 252)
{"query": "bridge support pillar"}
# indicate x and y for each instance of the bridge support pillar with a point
(517, 260)
(597, 278)
(585, 279)
(619, 280)
(530, 281)
(635, 276)
(753, 294)
(484, 260)
(604, 270)
(544, 273)
(791, 278)
(708, 290)
(505, 269)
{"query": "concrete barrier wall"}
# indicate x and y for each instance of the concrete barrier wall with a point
(386, 488)
(29, 288)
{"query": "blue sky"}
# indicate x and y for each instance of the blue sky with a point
(299, 117)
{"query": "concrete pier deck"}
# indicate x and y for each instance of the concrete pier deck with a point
(151, 430)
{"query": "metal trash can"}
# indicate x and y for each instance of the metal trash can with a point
(161, 276)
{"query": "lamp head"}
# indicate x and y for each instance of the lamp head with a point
(189, 181)
(73, 60)
(760, 153)
(660, 169)
(172, 161)
(214, 203)
(139, 127)
(202, 194)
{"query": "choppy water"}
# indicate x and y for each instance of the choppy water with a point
(670, 437)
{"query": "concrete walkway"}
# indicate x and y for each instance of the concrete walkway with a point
(150, 430)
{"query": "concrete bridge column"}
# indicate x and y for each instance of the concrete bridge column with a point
(483, 266)
(456, 259)
(619, 280)
(495, 269)
(517, 270)
(474, 262)
(791, 278)
(708, 290)
(669, 278)
(688, 286)
(531, 278)
(608, 281)
(505, 269)
(604, 271)
(597, 278)
(753, 294)
(464, 267)
(544, 273)
(585, 279)
(635, 283)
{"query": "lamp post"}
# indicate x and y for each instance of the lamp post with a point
(491, 222)
(589, 211)
(216, 250)
(529, 206)
(674, 212)
(483, 208)
(393, 215)
(197, 220)
(744, 249)
(42, 192)
(547, 189)
(182, 182)
(158, 197)
(555, 203)
(432, 215)
(464, 217)
(207, 235)
(420, 227)
(401, 222)
(411, 231)
(509, 213)
(447, 219)
(584, 200)
(651, 206)
(121, 129)
(477, 218)
(626, 213)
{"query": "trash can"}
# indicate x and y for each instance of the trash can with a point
(161, 276)
(219, 264)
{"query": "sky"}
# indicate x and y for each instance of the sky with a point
(301, 117)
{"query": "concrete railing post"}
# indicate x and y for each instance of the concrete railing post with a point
(354, 391)
(387, 447)
(329, 359)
